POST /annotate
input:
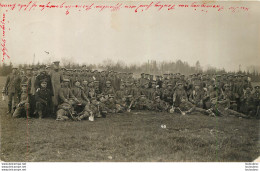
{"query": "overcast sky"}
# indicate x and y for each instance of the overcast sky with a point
(219, 39)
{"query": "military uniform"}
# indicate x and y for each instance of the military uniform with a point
(43, 99)
(23, 106)
(12, 88)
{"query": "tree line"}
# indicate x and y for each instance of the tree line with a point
(151, 67)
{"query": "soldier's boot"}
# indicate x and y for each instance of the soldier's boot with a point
(40, 114)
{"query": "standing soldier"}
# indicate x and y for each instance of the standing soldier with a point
(33, 91)
(12, 88)
(56, 78)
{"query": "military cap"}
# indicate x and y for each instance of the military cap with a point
(66, 80)
(108, 81)
(56, 62)
(157, 97)
(43, 81)
(169, 84)
(179, 83)
(84, 65)
(165, 74)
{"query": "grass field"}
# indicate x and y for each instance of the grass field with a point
(135, 136)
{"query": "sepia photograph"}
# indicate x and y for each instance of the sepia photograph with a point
(130, 81)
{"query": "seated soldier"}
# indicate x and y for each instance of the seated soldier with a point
(43, 99)
(160, 105)
(143, 103)
(197, 96)
(102, 106)
(65, 112)
(23, 106)
(221, 107)
(111, 104)
(227, 94)
(108, 89)
(182, 103)
(81, 97)
(247, 102)
(85, 87)
(91, 110)
(167, 95)
(65, 93)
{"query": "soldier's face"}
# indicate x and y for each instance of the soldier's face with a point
(55, 67)
(77, 84)
(108, 84)
(44, 85)
(14, 71)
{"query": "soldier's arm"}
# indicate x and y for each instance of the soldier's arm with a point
(71, 95)
(7, 82)
(61, 95)
(84, 96)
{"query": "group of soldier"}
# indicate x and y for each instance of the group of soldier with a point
(82, 93)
